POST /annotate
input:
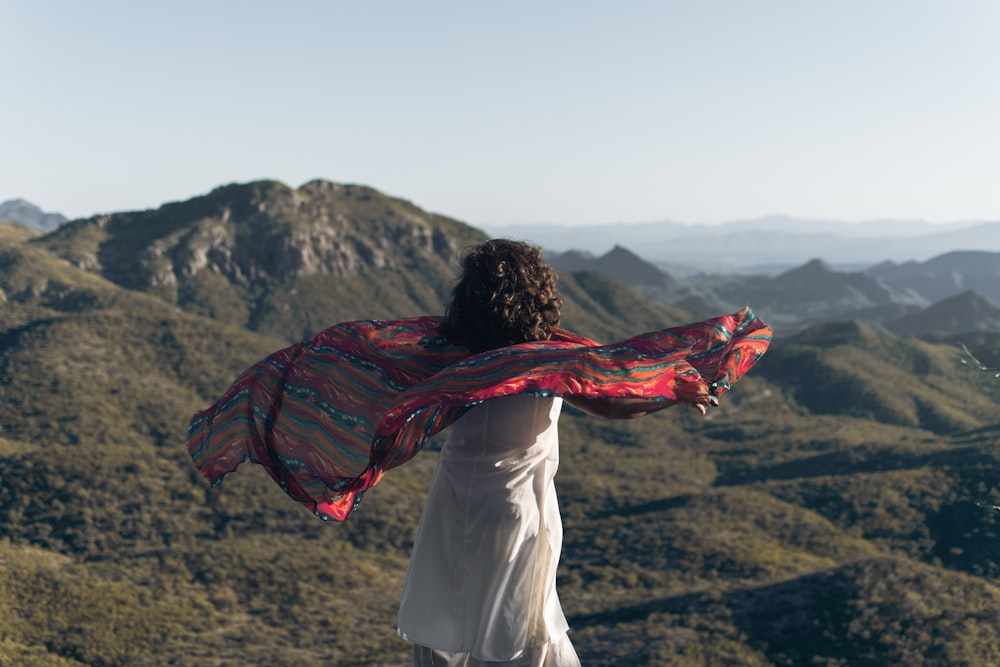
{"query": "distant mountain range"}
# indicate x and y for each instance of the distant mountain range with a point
(255, 255)
(766, 245)
(27, 214)
(769, 244)
(903, 297)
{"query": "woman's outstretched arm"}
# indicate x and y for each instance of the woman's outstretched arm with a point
(694, 394)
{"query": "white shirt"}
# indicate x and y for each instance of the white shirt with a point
(480, 577)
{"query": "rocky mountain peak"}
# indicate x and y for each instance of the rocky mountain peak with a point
(260, 230)
(239, 246)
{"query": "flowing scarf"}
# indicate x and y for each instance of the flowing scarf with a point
(327, 417)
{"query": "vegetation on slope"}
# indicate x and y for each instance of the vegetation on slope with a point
(838, 527)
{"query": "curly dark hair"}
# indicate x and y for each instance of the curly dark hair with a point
(505, 295)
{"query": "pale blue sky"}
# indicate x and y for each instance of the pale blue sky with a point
(512, 112)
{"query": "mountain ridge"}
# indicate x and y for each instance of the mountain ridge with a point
(769, 244)
(258, 254)
(816, 292)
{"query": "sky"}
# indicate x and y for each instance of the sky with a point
(503, 113)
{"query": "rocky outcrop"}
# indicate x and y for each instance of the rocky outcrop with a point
(264, 244)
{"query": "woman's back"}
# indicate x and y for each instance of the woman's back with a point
(480, 577)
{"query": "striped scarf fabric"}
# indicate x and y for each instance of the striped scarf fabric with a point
(327, 417)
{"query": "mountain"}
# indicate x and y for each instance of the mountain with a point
(767, 245)
(814, 292)
(278, 260)
(945, 275)
(619, 263)
(903, 298)
(916, 299)
(27, 214)
(808, 294)
(592, 239)
(815, 287)
(646, 278)
(842, 368)
(827, 512)
(963, 313)
(741, 246)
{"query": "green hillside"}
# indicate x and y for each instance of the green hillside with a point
(825, 514)
(861, 370)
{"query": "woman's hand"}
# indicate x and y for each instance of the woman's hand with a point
(695, 395)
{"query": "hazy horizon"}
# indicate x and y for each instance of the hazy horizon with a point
(595, 224)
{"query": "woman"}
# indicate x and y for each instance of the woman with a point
(481, 584)
(328, 417)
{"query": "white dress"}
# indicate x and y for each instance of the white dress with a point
(482, 577)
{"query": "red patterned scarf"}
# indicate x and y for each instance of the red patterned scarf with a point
(328, 416)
